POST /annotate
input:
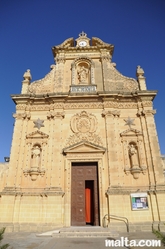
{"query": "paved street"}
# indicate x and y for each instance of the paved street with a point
(30, 241)
(22, 240)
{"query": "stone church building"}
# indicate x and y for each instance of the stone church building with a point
(85, 149)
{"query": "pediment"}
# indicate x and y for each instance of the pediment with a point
(84, 147)
(131, 132)
(37, 134)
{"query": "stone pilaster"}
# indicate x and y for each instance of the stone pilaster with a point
(111, 140)
(105, 59)
(56, 148)
(17, 150)
(156, 161)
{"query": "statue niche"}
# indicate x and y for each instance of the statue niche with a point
(83, 74)
(35, 163)
(134, 160)
(36, 156)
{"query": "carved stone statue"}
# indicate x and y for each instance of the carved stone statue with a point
(36, 156)
(133, 155)
(83, 75)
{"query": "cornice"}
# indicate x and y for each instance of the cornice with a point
(138, 96)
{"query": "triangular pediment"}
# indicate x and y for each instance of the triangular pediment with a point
(84, 147)
(37, 134)
(131, 132)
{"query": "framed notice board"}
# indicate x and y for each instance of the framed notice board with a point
(139, 201)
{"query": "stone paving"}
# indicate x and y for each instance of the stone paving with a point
(20, 240)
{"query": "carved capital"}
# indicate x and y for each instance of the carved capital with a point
(114, 113)
(23, 116)
(105, 58)
(53, 115)
(148, 112)
(60, 59)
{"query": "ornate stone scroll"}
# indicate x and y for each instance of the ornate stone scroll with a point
(84, 126)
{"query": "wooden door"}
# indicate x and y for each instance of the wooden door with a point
(84, 194)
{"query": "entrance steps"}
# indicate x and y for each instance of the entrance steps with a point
(79, 232)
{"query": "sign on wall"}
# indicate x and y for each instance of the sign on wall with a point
(139, 201)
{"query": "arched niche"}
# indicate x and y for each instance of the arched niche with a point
(83, 71)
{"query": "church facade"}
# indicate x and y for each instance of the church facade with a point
(85, 149)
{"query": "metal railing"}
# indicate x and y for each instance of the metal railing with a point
(115, 217)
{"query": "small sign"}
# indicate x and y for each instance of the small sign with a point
(139, 201)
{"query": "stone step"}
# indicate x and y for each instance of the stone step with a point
(89, 232)
(86, 235)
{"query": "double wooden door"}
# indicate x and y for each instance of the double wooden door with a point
(84, 194)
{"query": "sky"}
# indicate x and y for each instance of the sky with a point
(30, 28)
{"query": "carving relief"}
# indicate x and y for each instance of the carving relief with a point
(82, 73)
(83, 122)
(118, 82)
(84, 126)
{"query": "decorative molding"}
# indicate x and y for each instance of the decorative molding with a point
(21, 107)
(34, 172)
(119, 105)
(146, 103)
(79, 137)
(37, 137)
(84, 147)
(39, 108)
(52, 191)
(89, 105)
(131, 132)
(121, 190)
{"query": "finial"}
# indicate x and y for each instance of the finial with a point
(139, 71)
(27, 75)
(82, 34)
